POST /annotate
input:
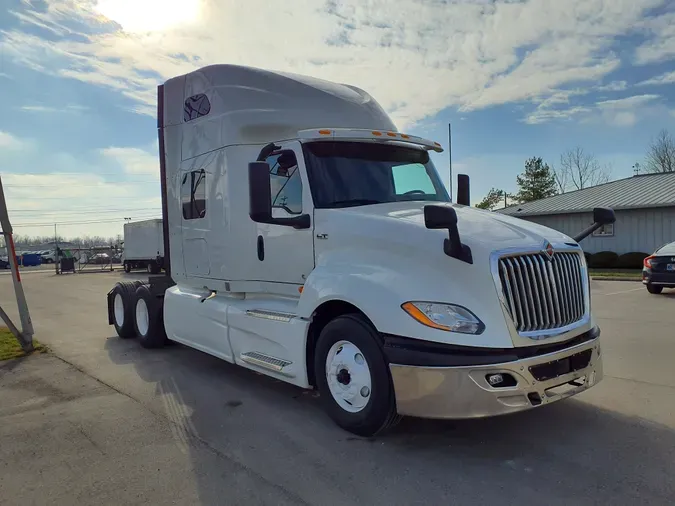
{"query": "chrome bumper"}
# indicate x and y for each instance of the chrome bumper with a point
(464, 392)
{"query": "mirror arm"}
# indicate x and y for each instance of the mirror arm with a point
(582, 235)
(601, 216)
(454, 248)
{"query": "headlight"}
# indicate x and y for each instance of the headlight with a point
(449, 317)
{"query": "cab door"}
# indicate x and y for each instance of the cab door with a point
(286, 254)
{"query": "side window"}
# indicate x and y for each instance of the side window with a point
(195, 107)
(285, 182)
(193, 194)
(412, 177)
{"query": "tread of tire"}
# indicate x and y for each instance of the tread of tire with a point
(394, 418)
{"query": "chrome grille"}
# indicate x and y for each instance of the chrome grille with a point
(542, 294)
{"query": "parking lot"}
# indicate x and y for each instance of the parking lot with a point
(178, 426)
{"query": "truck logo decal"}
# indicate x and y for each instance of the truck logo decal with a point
(548, 250)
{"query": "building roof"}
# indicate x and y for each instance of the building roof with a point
(637, 192)
(248, 105)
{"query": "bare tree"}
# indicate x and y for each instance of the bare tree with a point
(661, 153)
(582, 170)
(562, 178)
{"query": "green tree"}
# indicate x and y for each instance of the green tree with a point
(494, 198)
(537, 182)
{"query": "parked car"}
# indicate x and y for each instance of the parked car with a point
(4, 263)
(658, 271)
(100, 258)
(48, 256)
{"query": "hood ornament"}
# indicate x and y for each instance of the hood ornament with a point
(547, 250)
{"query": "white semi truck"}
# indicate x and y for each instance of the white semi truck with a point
(307, 239)
(143, 246)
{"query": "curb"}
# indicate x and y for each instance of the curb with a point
(612, 278)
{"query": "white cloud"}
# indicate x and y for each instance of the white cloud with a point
(89, 193)
(627, 102)
(661, 43)
(134, 161)
(79, 203)
(624, 112)
(556, 106)
(416, 58)
(543, 115)
(9, 141)
(613, 86)
(617, 112)
(42, 108)
(667, 78)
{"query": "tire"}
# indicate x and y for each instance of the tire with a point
(124, 300)
(654, 289)
(127, 267)
(149, 319)
(154, 268)
(352, 333)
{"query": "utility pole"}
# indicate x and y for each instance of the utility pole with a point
(25, 336)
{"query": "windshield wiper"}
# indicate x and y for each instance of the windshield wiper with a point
(354, 202)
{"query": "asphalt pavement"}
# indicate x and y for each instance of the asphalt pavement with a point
(107, 422)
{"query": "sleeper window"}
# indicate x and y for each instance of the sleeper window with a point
(196, 107)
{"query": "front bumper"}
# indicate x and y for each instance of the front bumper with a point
(464, 392)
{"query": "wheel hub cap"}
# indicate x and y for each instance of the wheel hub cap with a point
(118, 308)
(348, 376)
(142, 317)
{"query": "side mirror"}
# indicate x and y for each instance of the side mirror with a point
(601, 216)
(260, 199)
(463, 193)
(259, 192)
(437, 217)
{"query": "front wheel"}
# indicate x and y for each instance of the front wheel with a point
(353, 378)
(654, 289)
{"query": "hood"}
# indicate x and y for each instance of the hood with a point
(477, 228)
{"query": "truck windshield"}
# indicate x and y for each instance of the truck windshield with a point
(345, 174)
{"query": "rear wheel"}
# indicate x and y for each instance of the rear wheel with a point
(124, 299)
(127, 267)
(353, 378)
(149, 319)
(654, 289)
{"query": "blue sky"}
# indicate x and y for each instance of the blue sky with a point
(515, 78)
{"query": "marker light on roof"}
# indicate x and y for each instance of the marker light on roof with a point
(361, 134)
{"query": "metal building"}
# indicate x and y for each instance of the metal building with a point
(644, 207)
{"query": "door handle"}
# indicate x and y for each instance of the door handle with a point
(261, 248)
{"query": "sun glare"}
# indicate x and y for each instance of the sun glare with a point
(149, 15)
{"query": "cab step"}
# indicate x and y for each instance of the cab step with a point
(265, 361)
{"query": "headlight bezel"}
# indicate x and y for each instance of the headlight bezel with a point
(413, 309)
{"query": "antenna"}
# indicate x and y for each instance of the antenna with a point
(450, 156)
